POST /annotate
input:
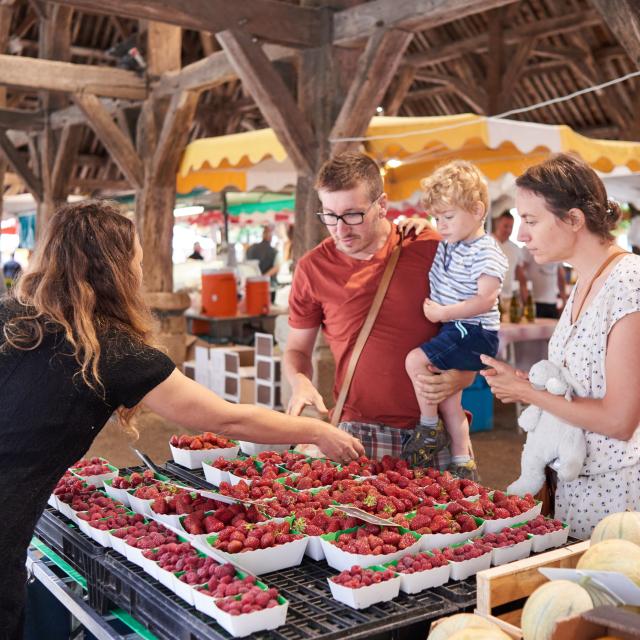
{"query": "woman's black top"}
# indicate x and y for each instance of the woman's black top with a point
(48, 419)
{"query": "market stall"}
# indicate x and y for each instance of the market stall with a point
(408, 149)
(119, 542)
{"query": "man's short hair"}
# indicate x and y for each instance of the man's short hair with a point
(347, 170)
(455, 184)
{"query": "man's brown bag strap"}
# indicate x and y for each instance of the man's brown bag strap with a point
(366, 330)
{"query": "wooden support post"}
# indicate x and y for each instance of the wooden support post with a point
(117, 143)
(6, 12)
(163, 130)
(54, 44)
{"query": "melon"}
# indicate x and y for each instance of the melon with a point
(613, 555)
(550, 602)
(622, 526)
(448, 626)
(476, 633)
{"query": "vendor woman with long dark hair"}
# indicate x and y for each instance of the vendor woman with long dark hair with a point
(75, 347)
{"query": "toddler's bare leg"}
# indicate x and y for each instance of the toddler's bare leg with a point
(457, 425)
(416, 363)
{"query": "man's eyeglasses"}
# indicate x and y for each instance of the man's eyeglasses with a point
(352, 218)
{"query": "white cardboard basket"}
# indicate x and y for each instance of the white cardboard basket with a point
(518, 551)
(194, 459)
(213, 475)
(341, 560)
(421, 580)
(262, 561)
(493, 526)
(430, 541)
(244, 625)
(365, 596)
(550, 540)
(462, 570)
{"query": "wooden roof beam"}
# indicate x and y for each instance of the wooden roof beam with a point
(34, 73)
(270, 20)
(353, 25)
(480, 43)
(376, 68)
(21, 119)
(174, 136)
(399, 90)
(20, 166)
(209, 72)
(475, 97)
(272, 96)
(118, 144)
(74, 115)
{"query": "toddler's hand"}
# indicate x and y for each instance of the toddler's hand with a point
(433, 311)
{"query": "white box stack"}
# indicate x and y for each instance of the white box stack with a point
(239, 373)
(227, 371)
(268, 364)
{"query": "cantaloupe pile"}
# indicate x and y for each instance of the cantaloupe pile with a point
(615, 546)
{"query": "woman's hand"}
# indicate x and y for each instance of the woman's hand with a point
(417, 225)
(506, 383)
(435, 385)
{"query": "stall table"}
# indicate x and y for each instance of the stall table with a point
(239, 328)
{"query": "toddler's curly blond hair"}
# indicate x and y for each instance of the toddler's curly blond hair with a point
(455, 184)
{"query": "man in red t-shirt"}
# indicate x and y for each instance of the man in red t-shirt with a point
(333, 287)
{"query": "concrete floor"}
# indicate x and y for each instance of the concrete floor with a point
(497, 451)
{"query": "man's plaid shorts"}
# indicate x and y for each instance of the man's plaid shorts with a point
(379, 440)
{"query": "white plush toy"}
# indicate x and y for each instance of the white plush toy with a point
(550, 440)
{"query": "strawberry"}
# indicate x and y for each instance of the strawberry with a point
(406, 540)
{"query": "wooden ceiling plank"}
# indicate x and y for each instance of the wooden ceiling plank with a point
(34, 73)
(20, 166)
(112, 137)
(479, 44)
(353, 25)
(270, 20)
(272, 96)
(377, 67)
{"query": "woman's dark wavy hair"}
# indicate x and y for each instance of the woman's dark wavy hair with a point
(80, 281)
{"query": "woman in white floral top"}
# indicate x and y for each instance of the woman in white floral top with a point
(566, 217)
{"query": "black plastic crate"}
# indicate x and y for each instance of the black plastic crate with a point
(460, 592)
(65, 538)
(312, 612)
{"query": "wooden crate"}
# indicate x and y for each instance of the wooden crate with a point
(505, 586)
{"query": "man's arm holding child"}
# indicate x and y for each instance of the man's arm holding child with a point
(482, 302)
